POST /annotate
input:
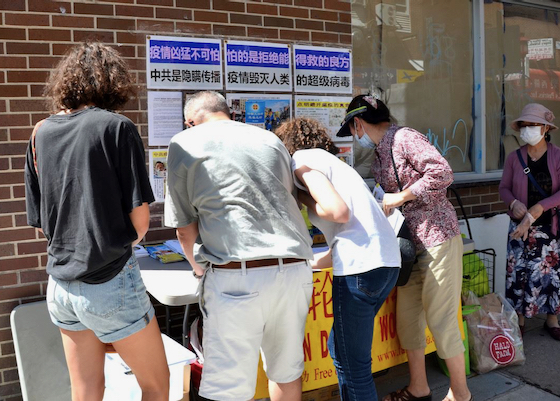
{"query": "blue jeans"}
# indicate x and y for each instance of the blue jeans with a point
(356, 301)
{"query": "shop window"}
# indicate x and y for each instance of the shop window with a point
(522, 66)
(417, 56)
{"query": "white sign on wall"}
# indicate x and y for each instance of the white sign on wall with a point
(183, 63)
(257, 66)
(541, 49)
(322, 70)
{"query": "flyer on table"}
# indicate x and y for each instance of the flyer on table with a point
(322, 69)
(258, 66)
(165, 117)
(265, 111)
(179, 63)
(158, 172)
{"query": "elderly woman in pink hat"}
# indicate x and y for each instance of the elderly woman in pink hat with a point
(530, 187)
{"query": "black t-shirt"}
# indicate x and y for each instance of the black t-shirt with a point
(91, 174)
(539, 170)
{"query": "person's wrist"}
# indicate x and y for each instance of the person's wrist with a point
(530, 217)
(512, 203)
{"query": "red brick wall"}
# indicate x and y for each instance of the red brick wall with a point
(33, 36)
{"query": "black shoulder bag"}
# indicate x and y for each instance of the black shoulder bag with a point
(527, 172)
(404, 238)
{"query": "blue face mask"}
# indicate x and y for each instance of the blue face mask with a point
(365, 141)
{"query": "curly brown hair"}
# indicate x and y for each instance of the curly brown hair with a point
(89, 74)
(305, 133)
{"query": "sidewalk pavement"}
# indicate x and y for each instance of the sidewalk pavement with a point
(537, 380)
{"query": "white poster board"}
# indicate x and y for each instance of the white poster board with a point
(328, 110)
(258, 66)
(158, 172)
(174, 62)
(165, 117)
(322, 70)
(265, 111)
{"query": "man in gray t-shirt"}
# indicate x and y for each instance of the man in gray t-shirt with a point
(230, 184)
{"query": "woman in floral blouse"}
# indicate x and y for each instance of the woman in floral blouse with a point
(433, 291)
(533, 267)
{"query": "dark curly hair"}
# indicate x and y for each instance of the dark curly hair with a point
(305, 133)
(89, 74)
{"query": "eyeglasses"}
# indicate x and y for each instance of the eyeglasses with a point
(190, 124)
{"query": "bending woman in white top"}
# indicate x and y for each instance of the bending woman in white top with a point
(341, 205)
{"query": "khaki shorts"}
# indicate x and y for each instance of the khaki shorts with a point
(264, 312)
(432, 295)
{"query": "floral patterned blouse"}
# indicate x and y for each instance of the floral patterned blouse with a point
(430, 217)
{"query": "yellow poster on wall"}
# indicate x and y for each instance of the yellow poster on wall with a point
(319, 370)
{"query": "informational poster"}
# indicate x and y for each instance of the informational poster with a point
(174, 62)
(319, 370)
(258, 66)
(265, 111)
(540, 49)
(158, 172)
(328, 110)
(165, 117)
(322, 69)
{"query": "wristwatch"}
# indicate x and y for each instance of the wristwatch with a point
(196, 275)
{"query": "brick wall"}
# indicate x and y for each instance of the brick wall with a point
(33, 36)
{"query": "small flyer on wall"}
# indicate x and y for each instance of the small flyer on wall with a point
(158, 172)
(328, 110)
(346, 153)
(165, 117)
(264, 111)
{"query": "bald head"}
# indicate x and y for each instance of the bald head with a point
(205, 106)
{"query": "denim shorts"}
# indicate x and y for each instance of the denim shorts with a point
(113, 310)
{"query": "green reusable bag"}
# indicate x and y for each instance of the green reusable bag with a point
(475, 277)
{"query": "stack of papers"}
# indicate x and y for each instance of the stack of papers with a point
(174, 245)
(140, 251)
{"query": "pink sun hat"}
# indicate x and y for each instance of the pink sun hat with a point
(534, 113)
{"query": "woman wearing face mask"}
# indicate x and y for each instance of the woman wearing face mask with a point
(530, 187)
(433, 291)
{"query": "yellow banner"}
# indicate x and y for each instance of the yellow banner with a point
(319, 370)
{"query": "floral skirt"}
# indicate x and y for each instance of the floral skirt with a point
(533, 267)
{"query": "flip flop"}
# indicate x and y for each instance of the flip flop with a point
(405, 395)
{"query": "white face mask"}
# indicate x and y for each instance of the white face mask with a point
(365, 141)
(532, 135)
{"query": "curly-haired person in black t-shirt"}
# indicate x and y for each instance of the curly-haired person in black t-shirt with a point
(88, 191)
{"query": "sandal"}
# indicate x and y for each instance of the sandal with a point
(405, 395)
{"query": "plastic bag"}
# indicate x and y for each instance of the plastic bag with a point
(475, 277)
(494, 336)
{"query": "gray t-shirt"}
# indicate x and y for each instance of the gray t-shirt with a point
(235, 180)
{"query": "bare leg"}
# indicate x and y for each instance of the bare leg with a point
(143, 353)
(458, 390)
(285, 391)
(85, 357)
(417, 366)
(418, 385)
(552, 321)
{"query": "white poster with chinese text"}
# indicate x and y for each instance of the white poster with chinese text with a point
(183, 63)
(322, 69)
(165, 117)
(257, 66)
(328, 110)
(158, 172)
